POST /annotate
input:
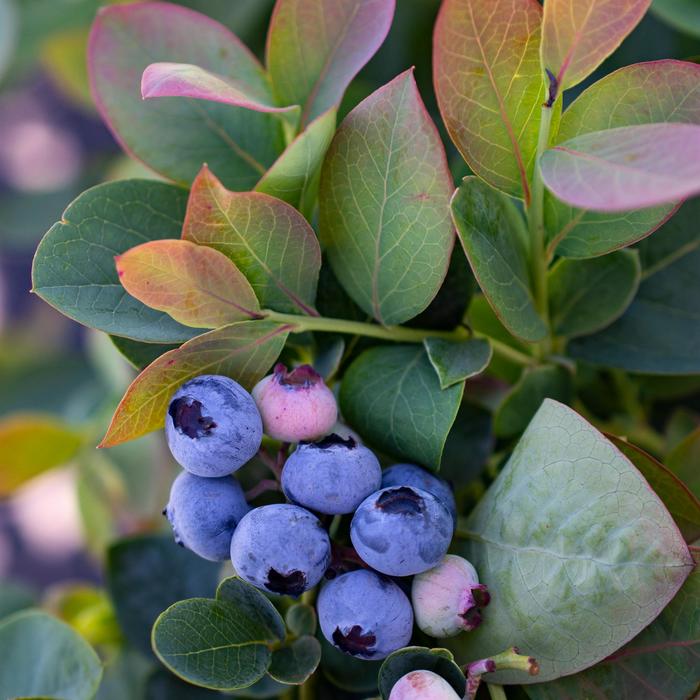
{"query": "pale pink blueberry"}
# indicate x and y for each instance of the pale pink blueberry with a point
(422, 685)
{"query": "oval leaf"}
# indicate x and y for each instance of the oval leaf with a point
(45, 657)
(269, 241)
(244, 351)
(175, 136)
(578, 551)
(196, 285)
(625, 168)
(316, 47)
(294, 663)
(578, 35)
(74, 263)
(384, 216)
(392, 397)
(455, 362)
(488, 82)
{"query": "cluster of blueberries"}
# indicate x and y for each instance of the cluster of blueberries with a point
(402, 524)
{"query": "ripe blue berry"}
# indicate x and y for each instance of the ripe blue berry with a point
(365, 614)
(212, 426)
(331, 476)
(401, 530)
(411, 475)
(422, 685)
(204, 513)
(281, 548)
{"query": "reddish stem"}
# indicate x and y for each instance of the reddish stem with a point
(262, 487)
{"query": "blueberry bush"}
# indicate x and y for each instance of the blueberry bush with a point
(413, 403)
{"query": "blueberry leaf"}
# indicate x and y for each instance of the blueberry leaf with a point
(456, 361)
(139, 354)
(301, 619)
(295, 662)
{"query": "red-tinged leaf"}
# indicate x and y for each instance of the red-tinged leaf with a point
(243, 351)
(196, 285)
(268, 240)
(316, 47)
(186, 80)
(489, 86)
(578, 35)
(625, 168)
(175, 136)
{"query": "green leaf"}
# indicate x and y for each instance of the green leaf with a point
(347, 672)
(294, 663)
(74, 267)
(579, 553)
(677, 497)
(221, 643)
(45, 657)
(174, 135)
(316, 47)
(495, 239)
(293, 177)
(588, 295)
(392, 397)
(644, 93)
(455, 362)
(31, 444)
(243, 351)
(683, 461)
(140, 354)
(683, 15)
(409, 659)
(525, 398)
(468, 445)
(384, 196)
(301, 619)
(269, 241)
(139, 595)
(489, 86)
(661, 662)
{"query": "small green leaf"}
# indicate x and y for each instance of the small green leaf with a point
(683, 461)
(403, 661)
(139, 354)
(588, 295)
(683, 15)
(301, 619)
(42, 656)
(525, 398)
(456, 361)
(294, 663)
(347, 672)
(579, 553)
(495, 239)
(392, 397)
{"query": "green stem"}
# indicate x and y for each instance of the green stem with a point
(496, 691)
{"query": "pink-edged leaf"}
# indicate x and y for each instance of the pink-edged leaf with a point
(196, 285)
(186, 80)
(625, 168)
(578, 35)
(243, 351)
(175, 136)
(489, 86)
(268, 240)
(316, 47)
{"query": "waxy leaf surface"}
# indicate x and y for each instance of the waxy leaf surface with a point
(625, 168)
(74, 263)
(495, 239)
(644, 93)
(578, 35)
(267, 239)
(243, 351)
(316, 47)
(174, 136)
(489, 86)
(295, 662)
(456, 361)
(384, 217)
(579, 552)
(198, 286)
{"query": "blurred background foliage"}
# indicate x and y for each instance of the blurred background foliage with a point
(63, 505)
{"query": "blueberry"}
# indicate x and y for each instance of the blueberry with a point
(411, 475)
(365, 615)
(281, 548)
(401, 530)
(295, 405)
(204, 513)
(422, 685)
(331, 476)
(213, 426)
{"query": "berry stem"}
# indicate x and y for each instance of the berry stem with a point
(262, 487)
(270, 462)
(496, 692)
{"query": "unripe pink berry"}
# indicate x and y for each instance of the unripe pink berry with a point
(448, 598)
(295, 405)
(422, 685)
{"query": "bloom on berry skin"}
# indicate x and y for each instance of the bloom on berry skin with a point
(448, 599)
(422, 685)
(295, 405)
